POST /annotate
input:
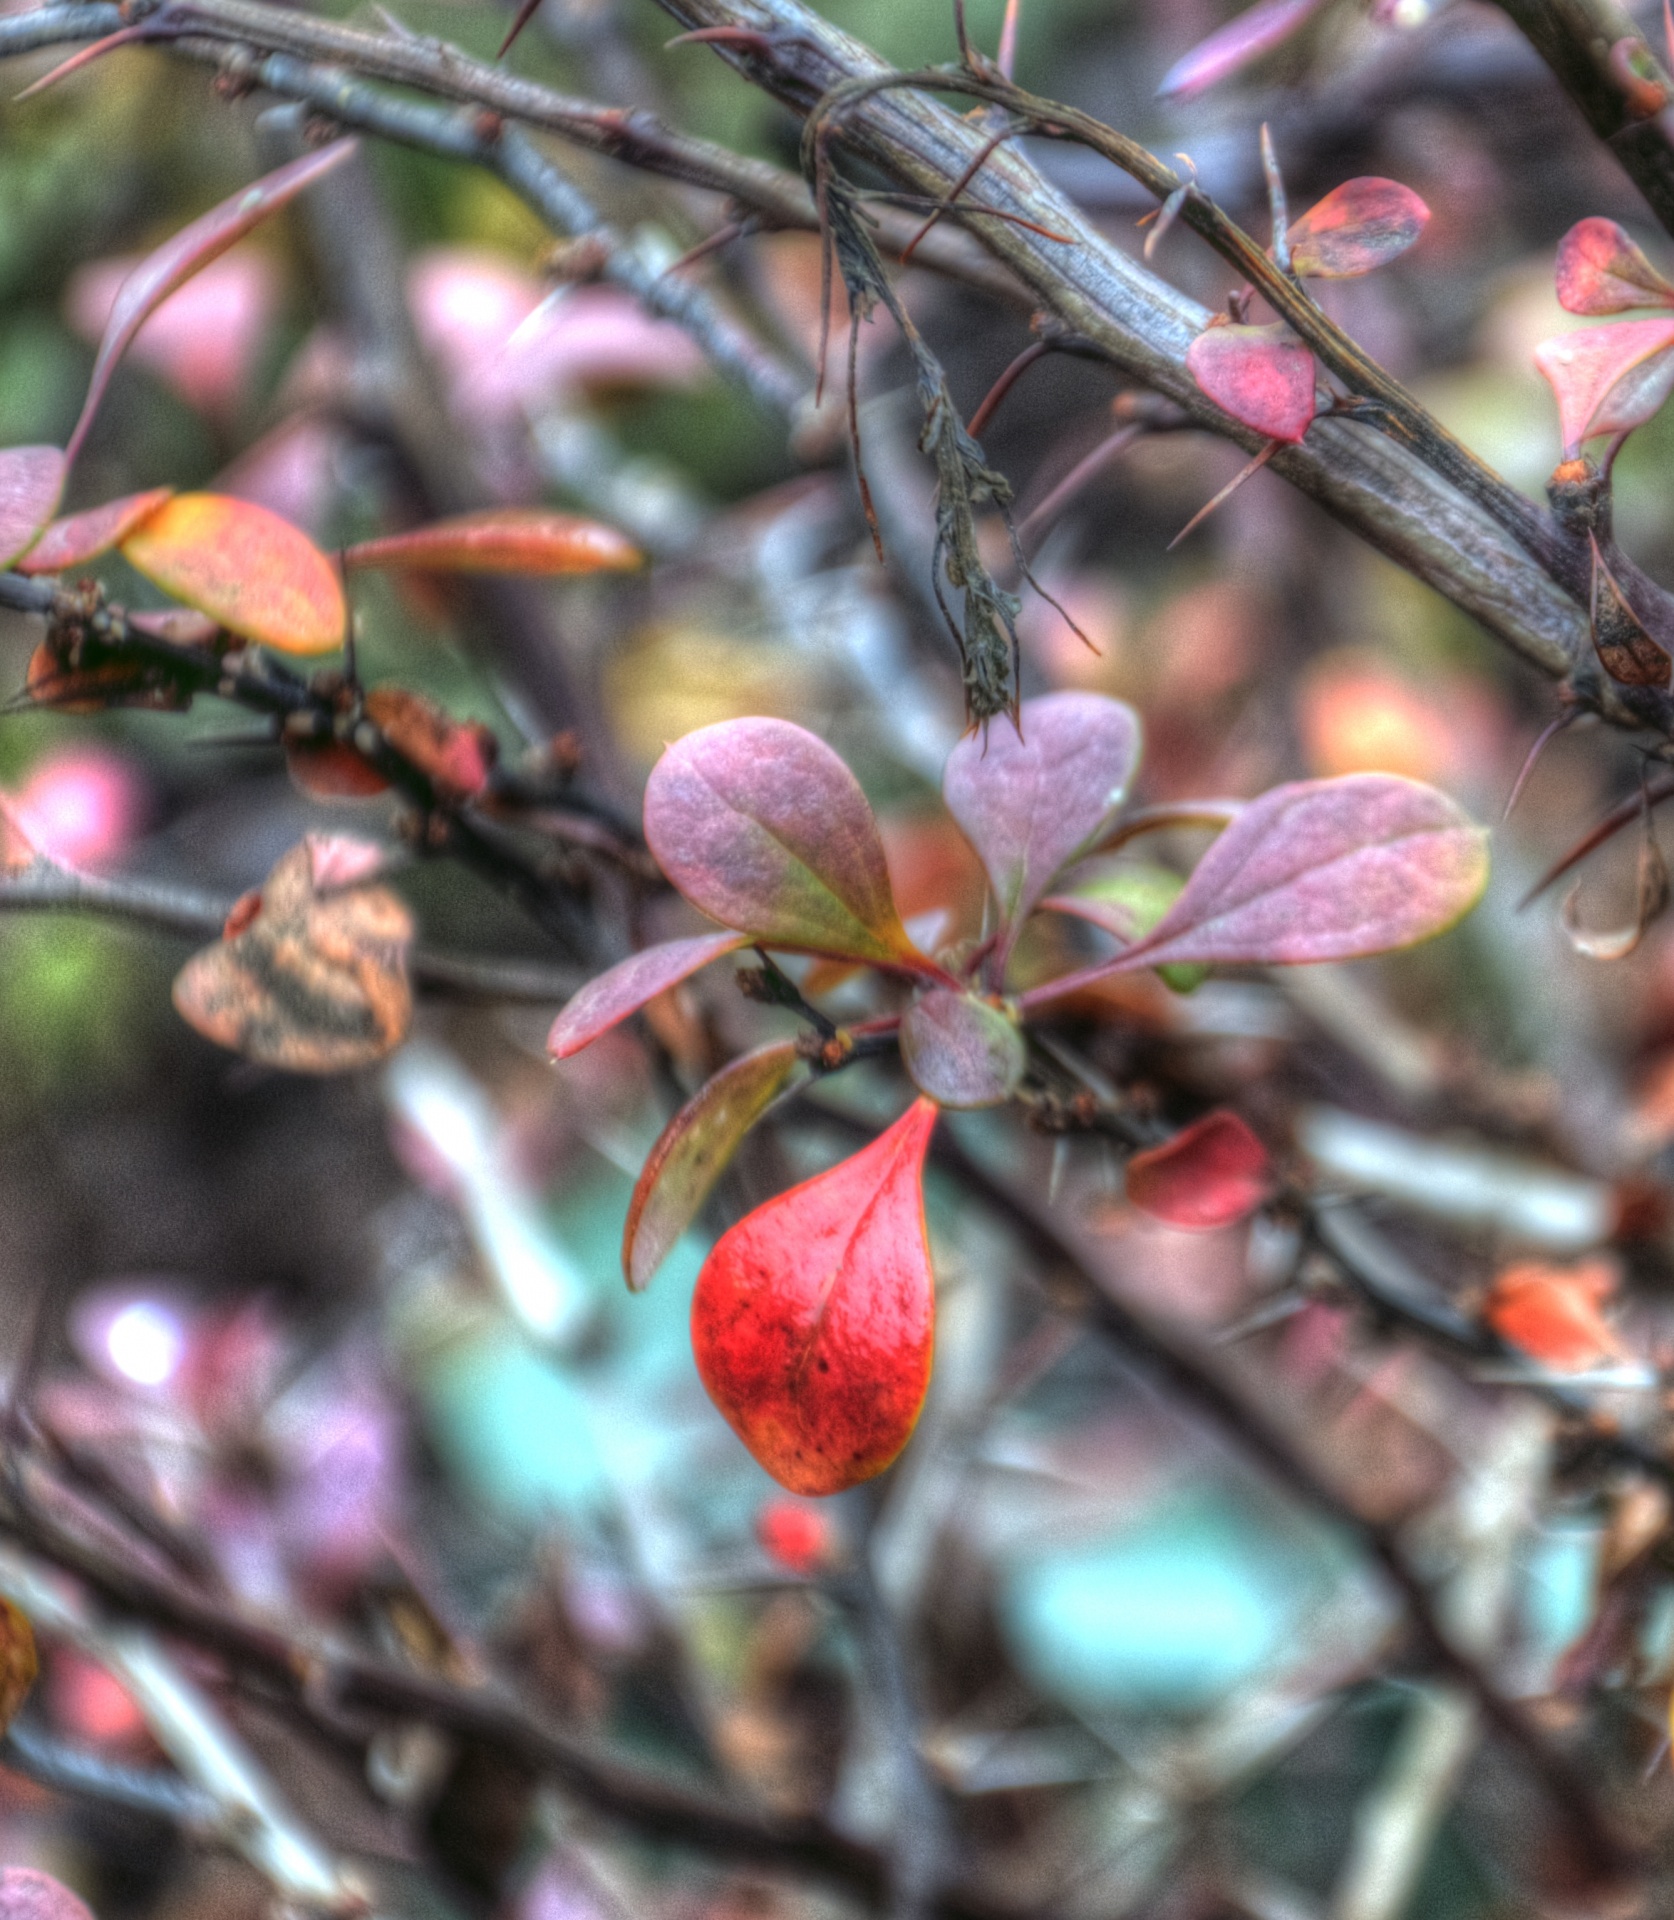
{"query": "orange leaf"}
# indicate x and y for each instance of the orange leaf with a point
(303, 979)
(81, 537)
(455, 756)
(1553, 1314)
(256, 574)
(502, 540)
(330, 770)
(814, 1317)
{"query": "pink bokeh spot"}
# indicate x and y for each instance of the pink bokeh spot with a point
(203, 341)
(80, 807)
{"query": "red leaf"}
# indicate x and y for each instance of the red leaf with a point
(1554, 1315)
(1241, 42)
(254, 573)
(28, 1895)
(1324, 870)
(1359, 226)
(1600, 270)
(1209, 1175)
(626, 987)
(177, 259)
(961, 1051)
(1031, 800)
(81, 537)
(1608, 379)
(31, 486)
(761, 826)
(814, 1317)
(1263, 376)
(695, 1149)
(502, 540)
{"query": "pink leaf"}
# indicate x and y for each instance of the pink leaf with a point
(1608, 379)
(1323, 870)
(761, 826)
(177, 259)
(1241, 42)
(31, 486)
(28, 1895)
(1600, 270)
(1030, 802)
(1358, 226)
(1209, 1175)
(961, 1051)
(81, 537)
(1263, 376)
(626, 987)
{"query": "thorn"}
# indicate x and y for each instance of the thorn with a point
(1543, 740)
(1001, 387)
(1079, 475)
(1613, 822)
(124, 36)
(525, 14)
(1276, 201)
(1254, 466)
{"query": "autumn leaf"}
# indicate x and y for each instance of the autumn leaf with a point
(1030, 797)
(252, 572)
(626, 987)
(961, 1051)
(696, 1148)
(1262, 376)
(1555, 1314)
(1209, 1175)
(310, 974)
(173, 263)
(81, 537)
(455, 756)
(813, 1319)
(1356, 228)
(762, 827)
(502, 540)
(31, 486)
(1601, 270)
(1608, 379)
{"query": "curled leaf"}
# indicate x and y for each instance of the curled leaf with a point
(51, 681)
(253, 573)
(31, 486)
(961, 1051)
(1608, 379)
(1031, 798)
(1263, 376)
(72, 542)
(193, 247)
(1357, 227)
(761, 826)
(305, 979)
(1555, 1314)
(1209, 1175)
(502, 540)
(331, 770)
(696, 1148)
(625, 988)
(1625, 650)
(1319, 870)
(814, 1317)
(1601, 270)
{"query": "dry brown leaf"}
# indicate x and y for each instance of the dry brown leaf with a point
(305, 980)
